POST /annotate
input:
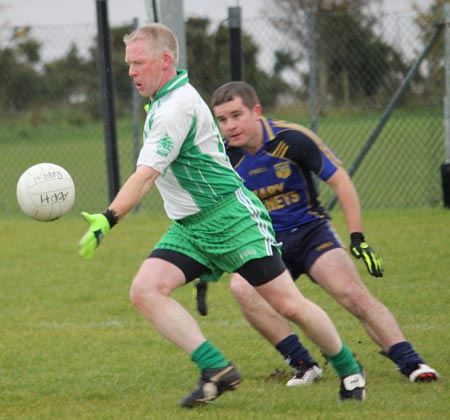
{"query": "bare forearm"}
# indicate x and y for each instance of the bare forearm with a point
(349, 202)
(133, 191)
(348, 199)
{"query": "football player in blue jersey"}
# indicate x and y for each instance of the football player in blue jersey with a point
(277, 161)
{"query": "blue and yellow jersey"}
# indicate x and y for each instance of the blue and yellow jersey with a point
(281, 172)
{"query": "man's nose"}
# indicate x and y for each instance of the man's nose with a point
(132, 71)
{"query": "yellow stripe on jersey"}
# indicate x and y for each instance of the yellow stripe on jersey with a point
(280, 150)
(268, 128)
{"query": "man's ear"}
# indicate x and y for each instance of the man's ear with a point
(257, 110)
(167, 60)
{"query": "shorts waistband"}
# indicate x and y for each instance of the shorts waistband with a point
(300, 228)
(206, 212)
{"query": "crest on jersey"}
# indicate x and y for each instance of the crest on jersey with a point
(282, 170)
(165, 145)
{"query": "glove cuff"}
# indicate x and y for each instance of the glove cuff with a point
(357, 237)
(111, 216)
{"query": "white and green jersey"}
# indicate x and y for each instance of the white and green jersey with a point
(183, 143)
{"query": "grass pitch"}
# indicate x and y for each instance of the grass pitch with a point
(73, 347)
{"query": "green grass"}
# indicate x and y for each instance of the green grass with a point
(72, 346)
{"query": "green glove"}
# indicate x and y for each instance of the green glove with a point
(360, 249)
(100, 225)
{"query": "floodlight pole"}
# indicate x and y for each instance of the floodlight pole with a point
(109, 120)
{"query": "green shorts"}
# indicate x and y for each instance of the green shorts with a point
(225, 236)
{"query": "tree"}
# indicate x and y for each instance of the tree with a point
(209, 62)
(353, 61)
(122, 83)
(20, 82)
(433, 78)
(72, 81)
(65, 78)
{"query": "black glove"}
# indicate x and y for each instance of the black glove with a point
(360, 249)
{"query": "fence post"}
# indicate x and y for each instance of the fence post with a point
(234, 18)
(136, 110)
(171, 15)
(445, 167)
(109, 123)
(310, 25)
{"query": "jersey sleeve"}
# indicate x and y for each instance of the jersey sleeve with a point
(234, 154)
(165, 131)
(307, 150)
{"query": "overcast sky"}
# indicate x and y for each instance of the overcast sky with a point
(63, 12)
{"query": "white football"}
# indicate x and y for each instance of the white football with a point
(45, 192)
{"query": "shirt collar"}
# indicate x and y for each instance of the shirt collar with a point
(179, 80)
(268, 133)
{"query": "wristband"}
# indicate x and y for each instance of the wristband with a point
(356, 237)
(111, 216)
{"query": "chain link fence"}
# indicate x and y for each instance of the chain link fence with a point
(335, 78)
(376, 101)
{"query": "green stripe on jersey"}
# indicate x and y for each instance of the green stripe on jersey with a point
(205, 175)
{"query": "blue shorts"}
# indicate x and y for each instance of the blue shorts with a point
(302, 246)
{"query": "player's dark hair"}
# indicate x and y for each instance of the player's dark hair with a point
(231, 90)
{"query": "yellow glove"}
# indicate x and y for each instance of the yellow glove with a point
(100, 225)
(360, 249)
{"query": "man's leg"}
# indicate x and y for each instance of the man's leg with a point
(336, 273)
(275, 329)
(150, 293)
(282, 294)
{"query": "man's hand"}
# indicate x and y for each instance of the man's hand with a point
(360, 249)
(99, 227)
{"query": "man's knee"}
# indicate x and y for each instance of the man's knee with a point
(141, 291)
(146, 286)
(241, 288)
(136, 294)
(358, 301)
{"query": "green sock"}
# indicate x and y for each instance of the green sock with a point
(207, 356)
(344, 363)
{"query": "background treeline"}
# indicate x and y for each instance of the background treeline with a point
(355, 62)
